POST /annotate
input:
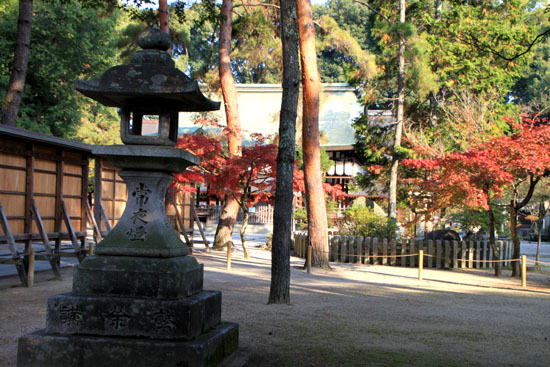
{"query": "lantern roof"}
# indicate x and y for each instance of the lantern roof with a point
(150, 82)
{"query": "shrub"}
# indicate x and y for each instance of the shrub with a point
(362, 221)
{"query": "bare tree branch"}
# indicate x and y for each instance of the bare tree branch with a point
(372, 9)
(473, 41)
(265, 5)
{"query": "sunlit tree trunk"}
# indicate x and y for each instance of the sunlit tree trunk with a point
(229, 91)
(279, 291)
(163, 16)
(12, 101)
(316, 208)
(392, 201)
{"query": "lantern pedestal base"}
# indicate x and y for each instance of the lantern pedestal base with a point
(39, 349)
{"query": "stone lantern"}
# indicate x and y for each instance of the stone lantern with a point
(139, 301)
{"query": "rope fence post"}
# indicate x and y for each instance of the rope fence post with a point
(30, 272)
(420, 263)
(308, 261)
(524, 271)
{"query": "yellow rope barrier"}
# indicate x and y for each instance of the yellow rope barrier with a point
(417, 254)
(538, 262)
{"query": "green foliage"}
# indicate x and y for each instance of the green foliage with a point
(459, 71)
(196, 39)
(532, 89)
(300, 215)
(341, 57)
(67, 42)
(471, 43)
(362, 221)
(350, 17)
(326, 162)
(345, 42)
(257, 50)
(332, 213)
(473, 219)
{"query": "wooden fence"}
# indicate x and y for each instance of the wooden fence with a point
(404, 252)
(263, 214)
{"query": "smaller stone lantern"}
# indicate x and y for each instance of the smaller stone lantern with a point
(140, 300)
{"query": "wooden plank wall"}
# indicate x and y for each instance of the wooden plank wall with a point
(49, 174)
(110, 191)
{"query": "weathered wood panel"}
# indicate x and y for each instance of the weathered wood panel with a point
(13, 160)
(45, 165)
(72, 185)
(45, 183)
(12, 179)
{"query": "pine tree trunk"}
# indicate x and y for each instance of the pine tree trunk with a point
(227, 81)
(231, 207)
(279, 292)
(316, 208)
(392, 201)
(163, 16)
(12, 101)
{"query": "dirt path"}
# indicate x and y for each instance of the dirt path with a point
(353, 315)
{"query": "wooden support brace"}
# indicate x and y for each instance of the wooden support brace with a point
(206, 243)
(17, 259)
(97, 233)
(182, 226)
(45, 241)
(65, 214)
(103, 214)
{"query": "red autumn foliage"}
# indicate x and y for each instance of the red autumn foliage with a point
(224, 173)
(473, 178)
(254, 170)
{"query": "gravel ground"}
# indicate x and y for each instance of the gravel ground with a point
(352, 315)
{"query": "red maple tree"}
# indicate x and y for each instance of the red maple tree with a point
(488, 171)
(249, 178)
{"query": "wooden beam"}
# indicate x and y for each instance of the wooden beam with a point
(36, 237)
